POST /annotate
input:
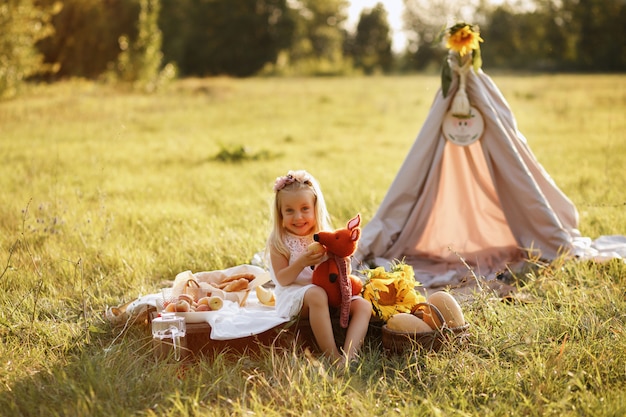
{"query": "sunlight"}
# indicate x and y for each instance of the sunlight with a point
(394, 11)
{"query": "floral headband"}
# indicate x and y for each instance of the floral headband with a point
(292, 176)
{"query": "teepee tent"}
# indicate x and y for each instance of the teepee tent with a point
(484, 205)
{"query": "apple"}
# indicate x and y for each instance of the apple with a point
(203, 301)
(187, 298)
(215, 303)
(183, 306)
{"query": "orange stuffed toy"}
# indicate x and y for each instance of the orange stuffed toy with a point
(334, 274)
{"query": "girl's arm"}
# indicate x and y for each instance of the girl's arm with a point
(286, 274)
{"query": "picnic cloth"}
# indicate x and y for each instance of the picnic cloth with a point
(232, 321)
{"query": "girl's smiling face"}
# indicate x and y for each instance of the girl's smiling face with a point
(298, 212)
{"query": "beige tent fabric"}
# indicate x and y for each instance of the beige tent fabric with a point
(486, 205)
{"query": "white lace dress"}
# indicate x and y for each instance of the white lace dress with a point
(289, 298)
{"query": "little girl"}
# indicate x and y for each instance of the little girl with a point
(299, 212)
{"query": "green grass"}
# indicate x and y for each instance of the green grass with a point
(106, 194)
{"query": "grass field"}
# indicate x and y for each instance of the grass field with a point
(106, 194)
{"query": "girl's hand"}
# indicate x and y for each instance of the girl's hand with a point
(311, 258)
(287, 273)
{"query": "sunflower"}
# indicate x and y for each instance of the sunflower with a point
(393, 291)
(463, 38)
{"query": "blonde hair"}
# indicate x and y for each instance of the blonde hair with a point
(295, 181)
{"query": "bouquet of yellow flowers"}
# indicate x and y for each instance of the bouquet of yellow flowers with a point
(393, 291)
(464, 40)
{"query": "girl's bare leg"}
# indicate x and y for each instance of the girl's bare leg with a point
(315, 306)
(360, 314)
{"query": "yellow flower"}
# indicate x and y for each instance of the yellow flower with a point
(392, 292)
(462, 38)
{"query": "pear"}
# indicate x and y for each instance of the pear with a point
(315, 247)
(265, 296)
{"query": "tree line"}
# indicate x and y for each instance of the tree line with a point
(145, 42)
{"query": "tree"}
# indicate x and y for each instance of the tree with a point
(426, 19)
(500, 35)
(175, 24)
(22, 24)
(235, 37)
(86, 40)
(372, 43)
(601, 35)
(140, 60)
(317, 45)
(567, 35)
(555, 47)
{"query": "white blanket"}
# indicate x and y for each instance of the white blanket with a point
(235, 322)
(232, 321)
(602, 249)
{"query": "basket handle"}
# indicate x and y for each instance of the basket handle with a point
(436, 310)
(195, 283)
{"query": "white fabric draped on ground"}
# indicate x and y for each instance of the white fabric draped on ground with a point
(230, 322)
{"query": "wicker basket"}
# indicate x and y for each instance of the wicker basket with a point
(193, 289)
(395, 341)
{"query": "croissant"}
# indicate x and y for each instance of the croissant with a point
(240, 284)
